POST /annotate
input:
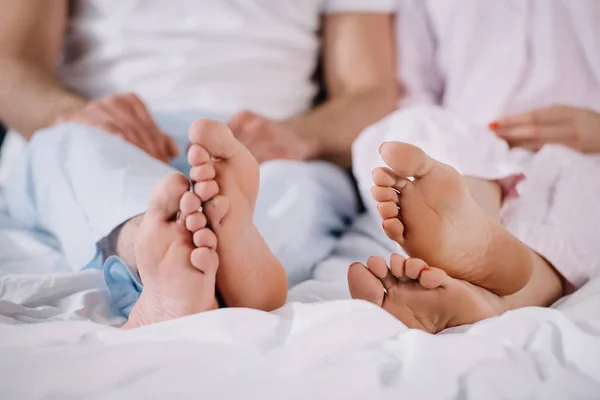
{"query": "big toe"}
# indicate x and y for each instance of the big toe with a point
(215, 137)
(364, 285)
(405, 159)
(166, 197)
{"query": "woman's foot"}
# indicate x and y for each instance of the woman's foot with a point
(420, 296)
(227, 178)
(175, 255)
(427, 208)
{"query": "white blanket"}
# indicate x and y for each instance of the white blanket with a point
(55, 343)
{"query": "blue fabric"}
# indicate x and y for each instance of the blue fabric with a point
(123, 285)
(77, 184)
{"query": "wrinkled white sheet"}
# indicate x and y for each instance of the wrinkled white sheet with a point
(331, 349)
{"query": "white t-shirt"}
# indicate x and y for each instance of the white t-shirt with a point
(218, 56)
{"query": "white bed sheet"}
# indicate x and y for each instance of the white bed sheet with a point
(55, 343)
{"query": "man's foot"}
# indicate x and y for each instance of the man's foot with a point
(427, 208)
(178, 273)
(420, 296)
(227, 178)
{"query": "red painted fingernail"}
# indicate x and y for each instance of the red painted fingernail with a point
(425, 269)
(493, 125)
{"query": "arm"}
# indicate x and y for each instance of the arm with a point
(359, 62)
(31, 37)
(31, 97)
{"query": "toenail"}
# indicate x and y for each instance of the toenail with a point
(425, 269)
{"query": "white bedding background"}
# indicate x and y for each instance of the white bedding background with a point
(57, 342)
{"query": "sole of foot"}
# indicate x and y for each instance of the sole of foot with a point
(176, 256)
(427, 208)
(226, 177)
(420, 296)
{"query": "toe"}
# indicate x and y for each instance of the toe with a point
(405, 159)
(205, 260)
(197, 155)
(188, 204)
(195, 221)
(379, 268)
(433, 278)
(166, 196)
(364, 285)
(216, 209)
(215, 137)
(205, 238)
(384, 177)
(414, 266)
(206, 190)
(387, 209)
(394, 229)
(397, 265)
(387, 178)
(385, 194)
(204, 172)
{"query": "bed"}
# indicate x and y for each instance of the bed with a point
(58, 340)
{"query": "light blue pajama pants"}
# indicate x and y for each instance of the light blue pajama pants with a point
(77, 184)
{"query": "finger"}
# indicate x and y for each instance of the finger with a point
(266, 152)
(255, 132)
(548, 115)
(553, 133)
(150, 140)
(129, 130)
(140, 110)
(95, 117)
(239, 120)
(530, 145)
(171, 145)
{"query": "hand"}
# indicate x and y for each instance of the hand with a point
(125, 115)
(573, 127)
(269, 140)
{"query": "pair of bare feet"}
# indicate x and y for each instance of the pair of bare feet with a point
(428, 210)
(191, 243)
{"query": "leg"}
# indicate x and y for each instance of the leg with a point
(440, 222)
(227, 178)
(78, 183)
(524, 217)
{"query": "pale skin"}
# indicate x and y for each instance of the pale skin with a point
(360, 76)
(185, 252)
(359, 69)
(189, 244)
(433, 290)
(574, 127)
(32, 97)
(464, 265)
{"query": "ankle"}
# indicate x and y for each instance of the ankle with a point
(124, 239)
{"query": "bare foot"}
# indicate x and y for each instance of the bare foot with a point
(227, 178)
(178, 276)
(420, 296)
(434, 217)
